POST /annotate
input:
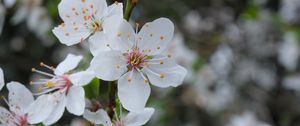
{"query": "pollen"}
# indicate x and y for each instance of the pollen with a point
(162, 38)
(50, 84)
(129, 79)
(83, 1)
(62, 25)
(161, 62)
(40, 89)
(67, 34)
(33, 69)
(151, 35)
(118, 34)
(161, 75)
(75, 29)
(73, 9)
(84, 10)
(118, 66)
(67, 16)
(169, 55)
(92, 6)
(146, 81)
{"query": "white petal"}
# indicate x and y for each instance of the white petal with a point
(109, 65)
(74, 10)
(98, 117)
(9, 3)
(19, 97)
(4, 115)
(98, 42)
(58, 111)
(20, 15)
(116, 9)
(133, 91)
(68, 64)
(2, 83)
(41, 109)
(81, 78)
(119, 32)
(138, 119)
(75, 100)
(70, 35)
(164, 72)
(156, 35)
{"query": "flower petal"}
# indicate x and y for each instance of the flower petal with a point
(98, 117)
(41, 109)
(69, 34)
(163, 71)
(138, 119)
(75, 100)
(98, 42)
(133, 91)
(58, 111)
(155, 36)
(9, 3)
(116, 9)
(119, 32)
(74, 10)
(81, 78)
(109, 65)
(5, 115)
(68, 64)
(19, 97)
(2, 83)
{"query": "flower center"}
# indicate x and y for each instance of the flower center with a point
(96, 26)
(135, 59)
(54, 83)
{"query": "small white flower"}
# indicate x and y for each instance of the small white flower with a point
(131, 119)
(86, 19)
(247, 119)
(60, 91)
(19, 100)
(139, 61)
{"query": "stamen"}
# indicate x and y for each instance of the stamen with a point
(41, 72)
(47, 66)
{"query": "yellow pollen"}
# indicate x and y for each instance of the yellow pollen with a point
(33, 69)
(83, 10)
(129, 79)
(118, 66)
(50, 84)
(161, 75)
(146, 81)
(62, 25)
(40, 89)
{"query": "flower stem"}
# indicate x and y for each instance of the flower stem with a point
(112, 89)
(130, 4)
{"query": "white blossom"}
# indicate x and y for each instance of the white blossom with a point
(138, 61)
(86, 19)
(60, 91)
(131, 119)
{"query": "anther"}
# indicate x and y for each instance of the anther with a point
(161, 75)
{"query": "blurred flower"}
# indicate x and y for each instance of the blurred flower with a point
(131, 119)
(289, 52)
(289, 11)
(139, 61)
(246, 119)
(292, 82)
(66, 89)
(221, 61)
(86, 19)
(211, 93)
(194, 23)
(79, 122)
(20, 99)
(9, 3)
(17, 44)
(2, 82)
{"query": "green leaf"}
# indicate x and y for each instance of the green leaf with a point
(92, 89)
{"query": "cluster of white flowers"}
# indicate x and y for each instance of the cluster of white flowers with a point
(132, 57)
